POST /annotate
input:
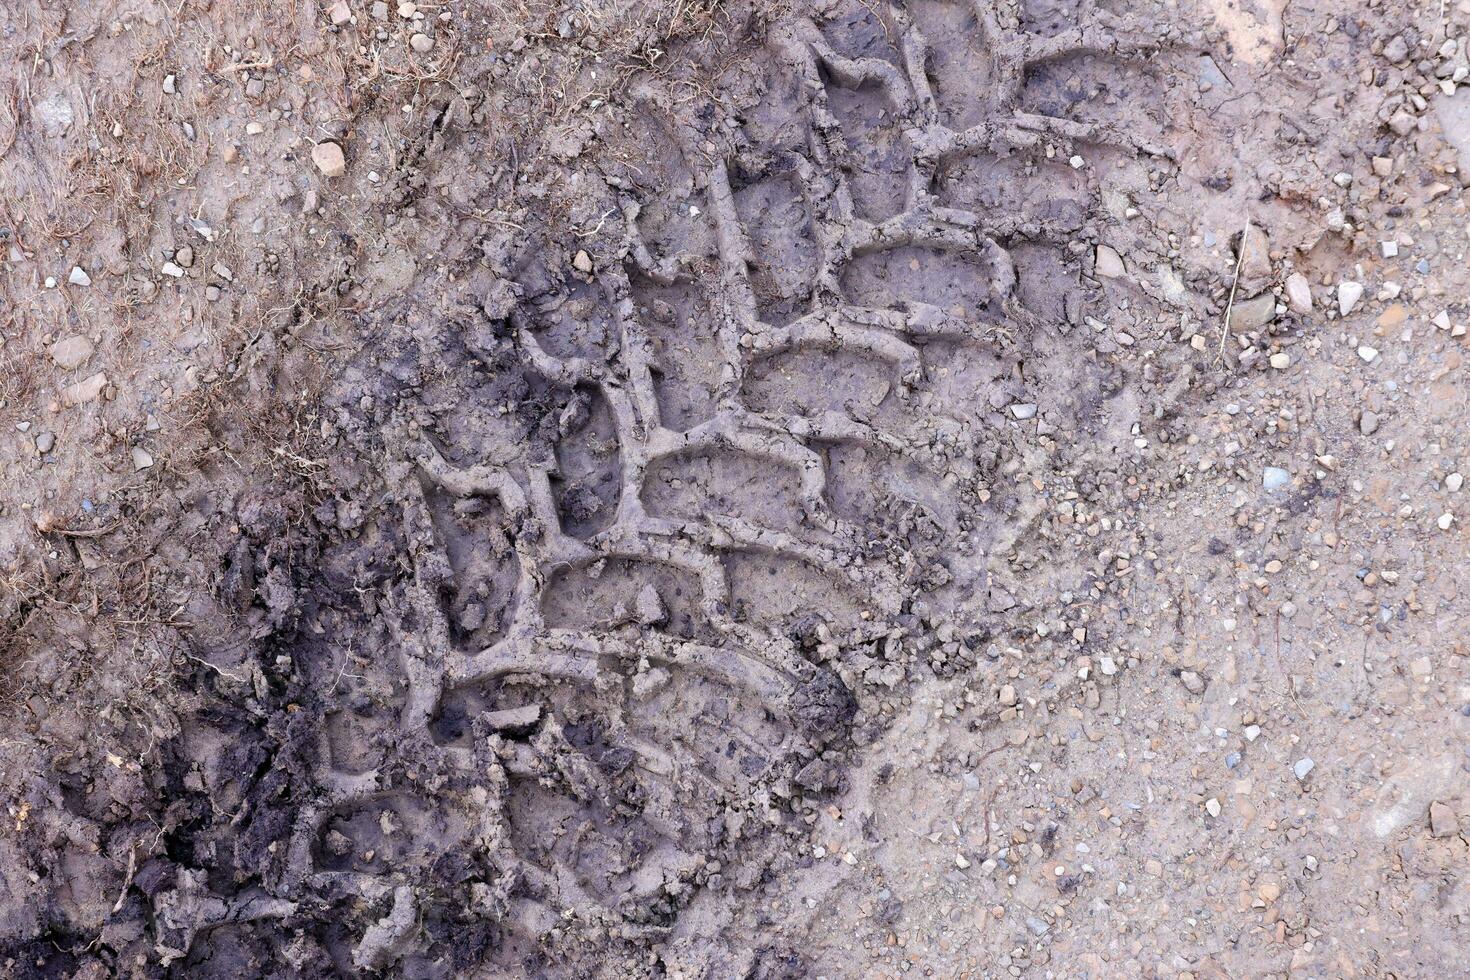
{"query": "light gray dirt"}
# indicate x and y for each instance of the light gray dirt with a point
(760, 490)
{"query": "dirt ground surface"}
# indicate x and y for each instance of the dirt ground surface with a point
(706, 489)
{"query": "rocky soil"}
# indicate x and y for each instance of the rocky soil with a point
(699, 489)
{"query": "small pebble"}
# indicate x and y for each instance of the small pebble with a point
(329, 159)
(79, 277)
(1274, 478)
(1298, 293)
(421, 43)
(1348, 294)
(1303, 767)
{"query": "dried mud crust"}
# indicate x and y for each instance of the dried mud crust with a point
(673, 518)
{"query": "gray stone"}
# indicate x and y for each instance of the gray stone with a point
(1298, 293)
(1453, 112)
(1252, 314)
(71, 352)
(1109, 263)
(1255, 260)
(84, 391)
(1442, 820)
(329, 159)
(512, 719)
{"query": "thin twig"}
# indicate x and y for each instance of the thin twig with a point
(1234, 285)
(67, 532)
